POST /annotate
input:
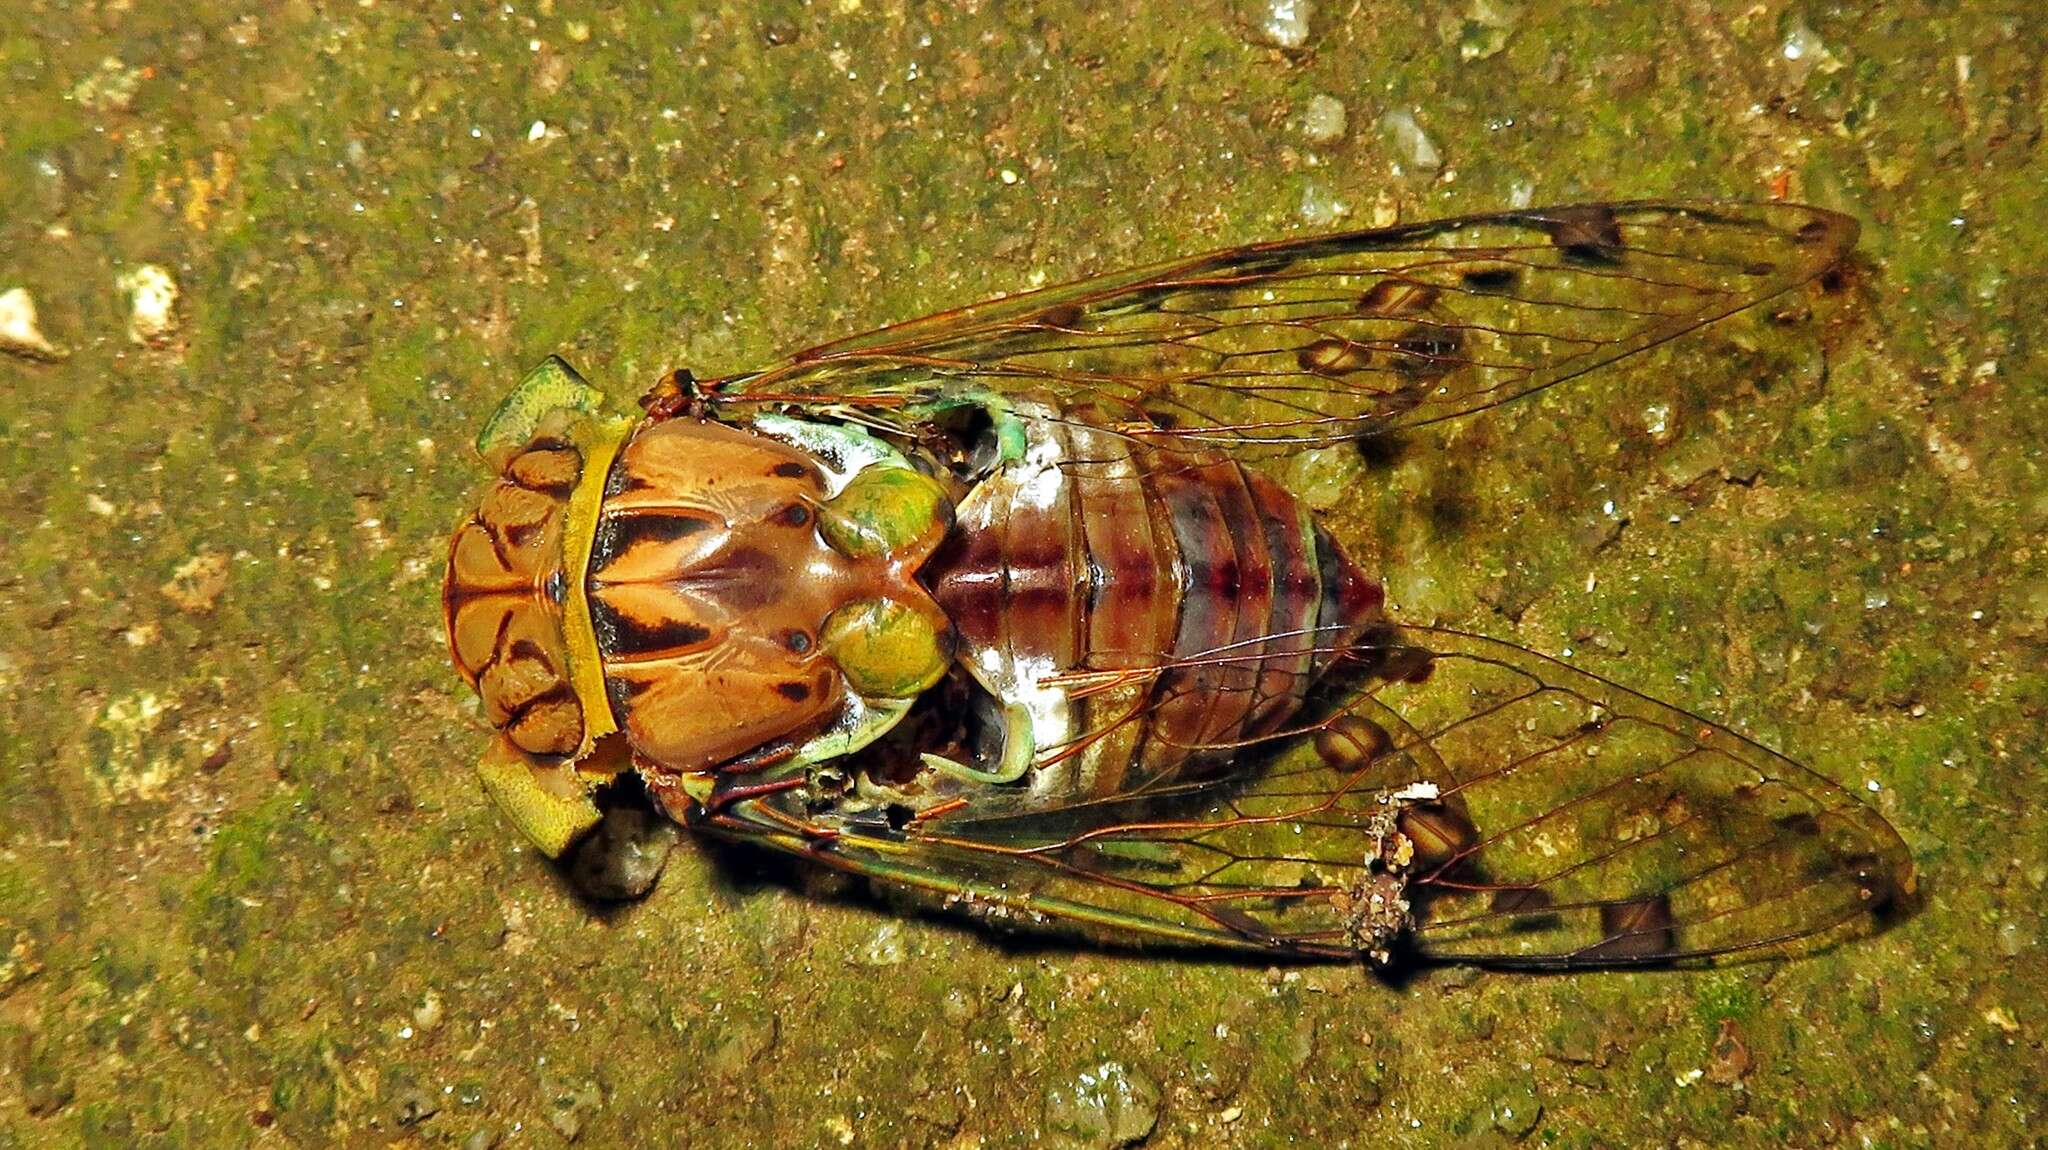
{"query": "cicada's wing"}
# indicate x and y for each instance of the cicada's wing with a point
(1607, 828)
(1317, 340)
(1574, 824)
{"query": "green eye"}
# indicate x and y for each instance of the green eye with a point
(885, 510)
(886, 649)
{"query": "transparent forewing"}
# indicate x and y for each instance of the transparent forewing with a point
(1530, 813)
(1610, 828)
(1321, 339)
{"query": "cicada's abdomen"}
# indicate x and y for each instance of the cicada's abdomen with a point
(1195, 599)
(503, 600)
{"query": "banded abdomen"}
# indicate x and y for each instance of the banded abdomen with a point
(1202, 592)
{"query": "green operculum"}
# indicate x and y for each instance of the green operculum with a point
(886, 649)
(886, 511)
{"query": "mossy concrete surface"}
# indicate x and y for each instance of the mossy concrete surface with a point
(285, 258)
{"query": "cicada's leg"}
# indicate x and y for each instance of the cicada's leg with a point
(728, 802)
(546, 797)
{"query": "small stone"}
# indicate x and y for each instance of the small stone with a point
(110, 88)
(1412, 147)
(1320, 207)
(1731, 1057)
(1323, 477)
(1483, 30)
(152, 301)
(197, 583)
(886, 948)
(624, 858)
(570, 1105)
(1104, 1106)
(1324, 120)
(744, 1045)
(1284, 24)
(959, 1006)
(19, 334)
(412, 1105)
(429, 1013)
(1516, 1110)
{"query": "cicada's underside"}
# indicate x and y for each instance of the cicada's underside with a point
(1006, 605)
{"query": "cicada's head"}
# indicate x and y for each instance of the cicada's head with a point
(510, 587)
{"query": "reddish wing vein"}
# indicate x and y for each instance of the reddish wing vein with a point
(1321, 339)
(1582, 825)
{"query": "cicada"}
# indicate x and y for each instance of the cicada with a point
(1006, 607)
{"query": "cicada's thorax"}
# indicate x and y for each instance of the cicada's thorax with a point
(1194, 598)
(747, 591)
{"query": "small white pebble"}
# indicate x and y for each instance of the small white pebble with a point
(1412, 146)
(152, 301)
(18, 331)
(539, 131)
(1008, 176)
(1286, 23)
(1324, 120)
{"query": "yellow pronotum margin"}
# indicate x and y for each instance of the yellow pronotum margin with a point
(599, 439)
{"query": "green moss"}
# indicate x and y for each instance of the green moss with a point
(708, 198)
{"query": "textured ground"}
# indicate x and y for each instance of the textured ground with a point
(249, 892)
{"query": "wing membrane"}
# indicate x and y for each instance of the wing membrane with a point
(1317, 340)
(1577, 824)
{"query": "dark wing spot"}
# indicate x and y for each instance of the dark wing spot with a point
(788, 469)
(1392, 297)
(1520, 900)
(1333, 357)
(794, 691)
(1492, 279)
(1636, 928)
(1064, 316)
(1812, 232)
(1802, 824)
(1587, 235)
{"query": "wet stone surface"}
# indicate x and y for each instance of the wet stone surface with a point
(265, 271)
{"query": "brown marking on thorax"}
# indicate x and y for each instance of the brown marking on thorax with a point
(709, 583)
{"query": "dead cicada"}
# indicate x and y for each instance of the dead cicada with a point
(1004, 606)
